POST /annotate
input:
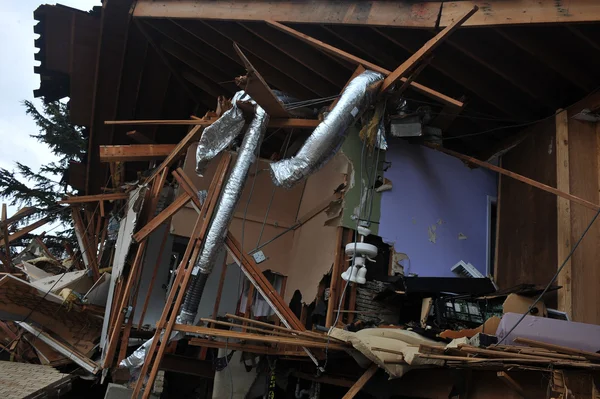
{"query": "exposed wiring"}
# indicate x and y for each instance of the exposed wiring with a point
(553, 278)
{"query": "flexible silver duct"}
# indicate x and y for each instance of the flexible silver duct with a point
(221, 133)
(327, 138)
(223, 214)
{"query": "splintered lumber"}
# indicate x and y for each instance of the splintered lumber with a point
(273, 123)
(93, 198)
(308, 334)
(558, 348)
(162, 217)
(516, 176)
(21, 213)
(184, 271)
(257, 329)
(359, 61)
(134, 152)
(88, 251)
(242, 346)
(535, 351)
(25, 230)
(213, 332)
(259, 90)
(361, 382)
(554, 362)
(424, 51)
(496, 354)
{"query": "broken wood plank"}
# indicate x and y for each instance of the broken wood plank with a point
(88, 253)
(245, 347)
(516, 176)
(134, 152)
(565, 294)
(24, 231)
(558, 348)
(214, 332)
(92, 198)
(288, 334)
(139, 137)
(273, 123)
(369, 65)
(361, 382)
(259, 90)
(21, 213)
(162, 217)
(424, 51)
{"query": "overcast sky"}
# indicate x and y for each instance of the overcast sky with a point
(17, 82)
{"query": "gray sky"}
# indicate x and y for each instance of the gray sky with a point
(17, 82)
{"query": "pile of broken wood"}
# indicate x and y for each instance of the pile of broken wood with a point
(528, 354)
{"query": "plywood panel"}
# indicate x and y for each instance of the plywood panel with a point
(583, 180)
(527, 225)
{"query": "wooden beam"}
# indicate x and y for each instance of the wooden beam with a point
(425, 51)
(87, 251)
(517, 176)
(361, 382)
(21, 213)
(213, 332)
(565, 294)
(510, 382)
(24, 231)
(259, 90)
(162, 217)
(558, 348)
(369, 65)
(92, 198)
(382, 13)
(266, 350)
(273, 123)
(134, 152)
(179, 150)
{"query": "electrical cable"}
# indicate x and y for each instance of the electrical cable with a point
(589, 226)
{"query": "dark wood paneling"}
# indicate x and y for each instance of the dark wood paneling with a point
(527, 221)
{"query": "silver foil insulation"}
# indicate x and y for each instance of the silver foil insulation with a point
(221, 133)
(329, 135)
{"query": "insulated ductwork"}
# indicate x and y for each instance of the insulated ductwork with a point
(327, 138)
(223, 214)
(221, 133)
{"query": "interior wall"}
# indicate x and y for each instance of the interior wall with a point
(527, 215)
(436, 212)
(158, 295)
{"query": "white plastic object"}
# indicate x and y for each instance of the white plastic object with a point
(361, 248)
(361, 276)
(350, 274)
(363, 231)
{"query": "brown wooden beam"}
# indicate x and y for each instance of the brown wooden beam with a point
(517, 176)
(24, 231)
(359, 61)
(134, 152)
(425, 50)
(273, 123)
(361, 382)
(92, 198)
(162, 217)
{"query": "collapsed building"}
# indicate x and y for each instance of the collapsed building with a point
(268, 211)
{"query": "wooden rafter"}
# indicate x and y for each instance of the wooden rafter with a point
(359, 61)
(24, 231)
(94, 198)
(361, 382)
(134, 152)
(425, 50)
(273, 123)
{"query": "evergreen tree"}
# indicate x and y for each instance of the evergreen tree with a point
(43, 188)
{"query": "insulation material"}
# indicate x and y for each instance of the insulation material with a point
(327, 138)
(220, 134)
(223, 213)
(406, 342)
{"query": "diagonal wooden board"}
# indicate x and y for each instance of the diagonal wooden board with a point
(259, 90)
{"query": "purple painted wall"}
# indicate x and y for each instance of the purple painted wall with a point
(435, 197)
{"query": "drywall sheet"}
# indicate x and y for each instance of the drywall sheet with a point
(20, 300)
(436, 212)
(313, 247)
